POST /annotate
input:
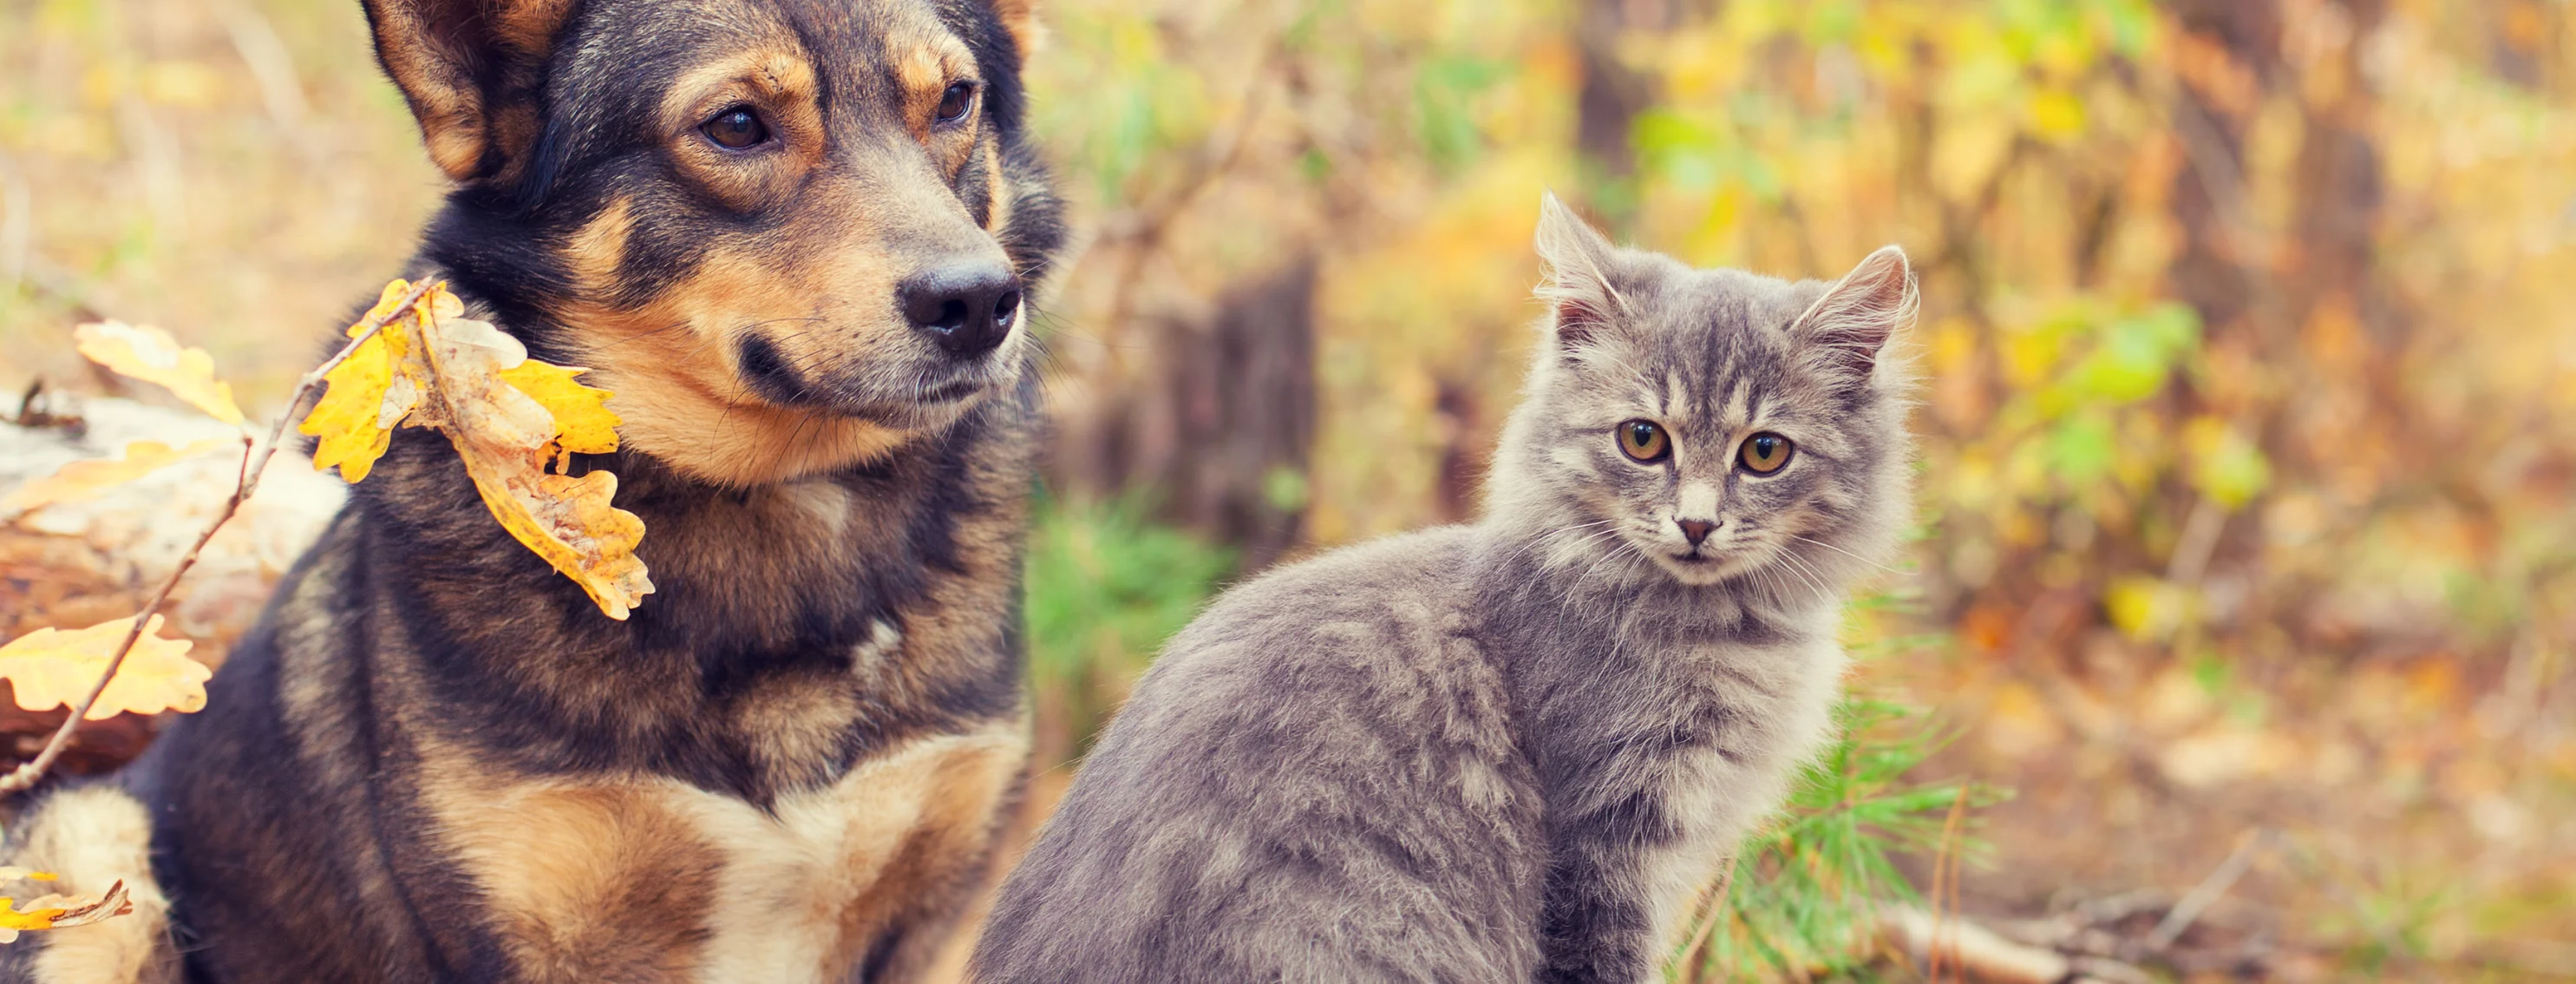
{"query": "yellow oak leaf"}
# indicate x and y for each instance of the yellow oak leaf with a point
(377, 386)
(151, 355)
(85, 479)
(347, 417)
(62, 911)
(51, 668)
(583, 421)
(507, 416)
(569, 522)
(506, 435)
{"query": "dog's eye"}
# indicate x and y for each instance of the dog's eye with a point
(1764, 453)
(954, 103)
(1643, 441)
(736, 129)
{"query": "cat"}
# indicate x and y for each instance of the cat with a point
(1515, 749)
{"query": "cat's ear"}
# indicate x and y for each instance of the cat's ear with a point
(1578, 262)
(469, 70)
(1860, 312)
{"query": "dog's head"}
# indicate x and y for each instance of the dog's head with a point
(790, 234)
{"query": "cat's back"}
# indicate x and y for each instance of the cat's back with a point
(1318, 780)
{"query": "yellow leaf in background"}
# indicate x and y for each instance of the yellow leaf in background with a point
(86, 479)
(62, 911)
(2226, 465)
(582, 417)
(151, 355)
(51, 668)
(8, 875)
(2147, 608)
(2056, 114)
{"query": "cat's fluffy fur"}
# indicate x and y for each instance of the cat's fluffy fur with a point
(1512, 750)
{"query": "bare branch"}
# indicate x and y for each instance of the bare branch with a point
(2207, 893)
(255, 459)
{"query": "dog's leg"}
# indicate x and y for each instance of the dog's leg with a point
(91, 837)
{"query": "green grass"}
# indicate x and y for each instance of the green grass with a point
(1801, 895)
(1105, 588)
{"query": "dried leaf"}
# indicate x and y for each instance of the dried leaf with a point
(347, 417)
(51, 668)
(81, 480)
(373, 389)
(508, 416)
(582, 418)
(151, 355)
(62, 911)
(569, 522)
(489, 391)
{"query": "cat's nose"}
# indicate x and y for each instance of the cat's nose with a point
(1695, 530)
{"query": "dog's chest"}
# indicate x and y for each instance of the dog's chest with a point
(650, 879)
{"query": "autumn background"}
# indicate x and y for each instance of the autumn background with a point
(2246, 579)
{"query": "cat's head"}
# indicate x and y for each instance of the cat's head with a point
(1721, 425)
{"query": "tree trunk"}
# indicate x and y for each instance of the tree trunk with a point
(1222, 424)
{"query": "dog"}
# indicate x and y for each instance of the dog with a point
(796, 239)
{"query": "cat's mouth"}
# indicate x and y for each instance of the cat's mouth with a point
(1702, 565)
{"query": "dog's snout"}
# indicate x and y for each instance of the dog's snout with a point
(967, 307)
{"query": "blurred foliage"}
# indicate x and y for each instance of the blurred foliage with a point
(1105, 588)
(2249, 400)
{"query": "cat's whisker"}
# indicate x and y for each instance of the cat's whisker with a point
(1806, 572)
(1577, 547)
(1846, 553)
(1542, 539)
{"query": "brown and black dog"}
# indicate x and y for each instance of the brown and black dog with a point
(794, 237)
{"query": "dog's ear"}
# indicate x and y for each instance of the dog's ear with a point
(469, 69)
(1020, 17)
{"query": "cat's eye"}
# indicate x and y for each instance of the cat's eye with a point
(1644, 441)
(1764, 453)
(954, 103)
(737, 128)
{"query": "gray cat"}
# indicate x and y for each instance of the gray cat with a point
(1516, 749)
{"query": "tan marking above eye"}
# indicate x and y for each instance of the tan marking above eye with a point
(1765, 453)
(929, 62)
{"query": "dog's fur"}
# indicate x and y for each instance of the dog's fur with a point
(435, 759)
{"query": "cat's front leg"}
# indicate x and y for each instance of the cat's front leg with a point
(1596, 922)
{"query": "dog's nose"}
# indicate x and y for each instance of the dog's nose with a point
(966, 307)
(1695, 530)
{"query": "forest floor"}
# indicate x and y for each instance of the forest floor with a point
(2395, 818)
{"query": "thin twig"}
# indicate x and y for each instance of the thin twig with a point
(2207, 893)
(1946, 857)
(1712, 913)
(255, 459)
